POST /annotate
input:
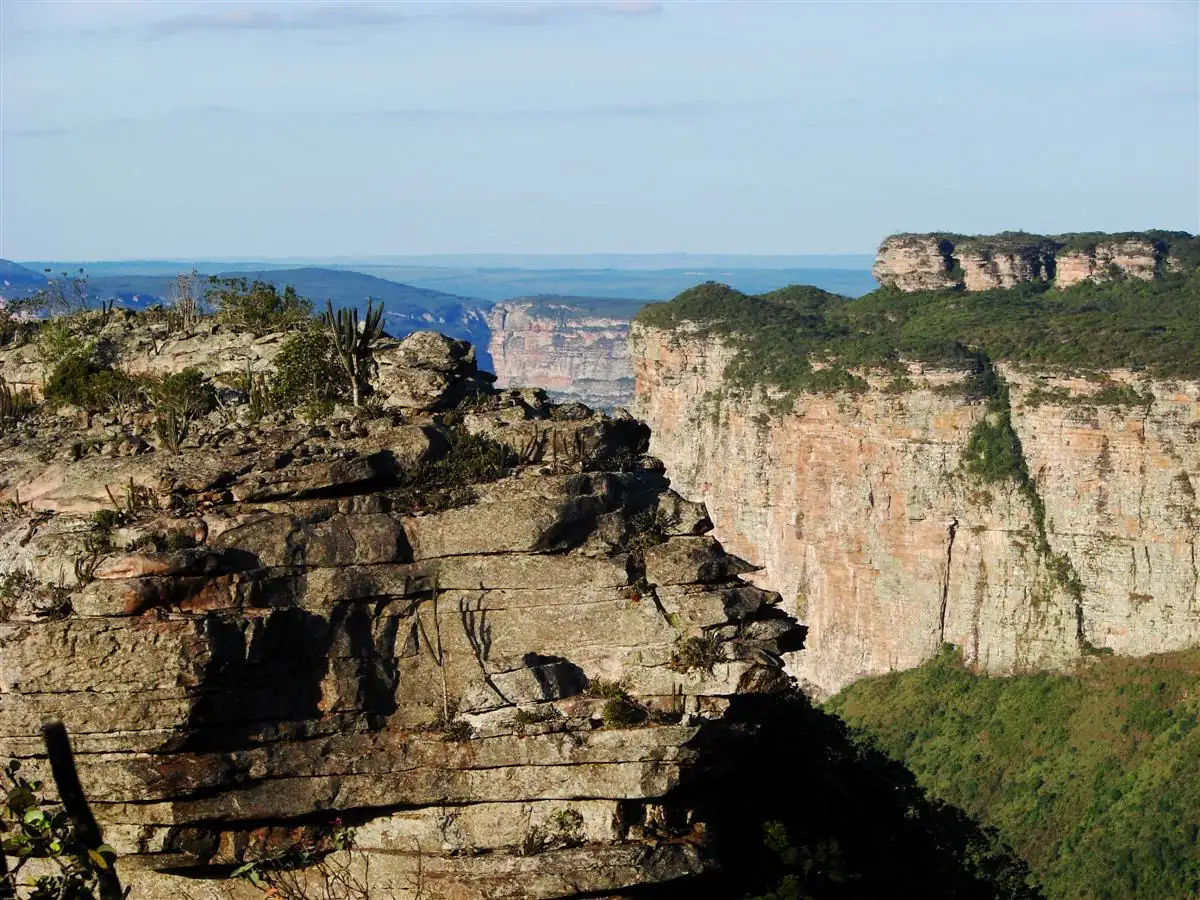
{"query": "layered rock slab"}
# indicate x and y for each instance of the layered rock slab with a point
(491, 689)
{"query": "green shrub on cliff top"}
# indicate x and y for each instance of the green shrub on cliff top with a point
(1152, 325)
(306, 371)
(1092, 777)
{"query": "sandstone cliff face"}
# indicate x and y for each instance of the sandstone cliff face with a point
(915, 262)
(921, 262)
(281, 626)
(1104, 261)
(570, 355)
(860, 512)
(984, 267)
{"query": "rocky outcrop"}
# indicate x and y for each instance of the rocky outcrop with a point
(864, 518)
(492, 641)
(1105, 260)
(569, 352)
(916, 262)
(922, 262)
(985, 264)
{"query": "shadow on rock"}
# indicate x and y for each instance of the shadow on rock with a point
(801, 808)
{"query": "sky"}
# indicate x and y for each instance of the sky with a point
(178, 129)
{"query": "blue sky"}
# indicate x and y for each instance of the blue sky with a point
(211, 129)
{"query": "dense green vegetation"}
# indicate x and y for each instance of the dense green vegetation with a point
(801, 810)
(1151, 325)
(1093, 777)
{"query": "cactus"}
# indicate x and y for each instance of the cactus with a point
(14, 406)
(171, 429)
(354, 345)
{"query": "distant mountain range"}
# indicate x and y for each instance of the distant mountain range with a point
(632, 284)
(17, 280)
(409, 289)
(343, 288)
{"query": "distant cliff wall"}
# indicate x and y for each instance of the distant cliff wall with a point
(918, 262)
(861, 510)
(569, 352)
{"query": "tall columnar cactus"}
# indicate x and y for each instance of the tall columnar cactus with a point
(354, 345)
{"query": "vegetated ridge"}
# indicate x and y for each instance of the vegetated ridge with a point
(1092, 775)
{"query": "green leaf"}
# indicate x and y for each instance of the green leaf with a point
(34, 817)
(97, 860)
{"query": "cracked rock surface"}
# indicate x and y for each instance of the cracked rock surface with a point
(489, 684)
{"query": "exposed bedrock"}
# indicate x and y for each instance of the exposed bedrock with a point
(502, 682)
(569, 353)
(864, 518)
(920, 262)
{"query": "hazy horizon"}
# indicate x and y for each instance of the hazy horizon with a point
(531, 261)
(376, 129)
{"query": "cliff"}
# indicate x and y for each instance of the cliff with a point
(920, 262)
(490, 639)
(573, 349)
(865, 494)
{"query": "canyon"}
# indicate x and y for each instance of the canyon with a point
(862, 509)
(569, 349)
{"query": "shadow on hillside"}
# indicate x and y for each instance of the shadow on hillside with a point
(854, 822)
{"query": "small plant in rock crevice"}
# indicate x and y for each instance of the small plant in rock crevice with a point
(646, 529)
(699, 653)
(620, 709)
(449, 481)
(562, 830)
(322, 865)
(526, 717)
(622, 712)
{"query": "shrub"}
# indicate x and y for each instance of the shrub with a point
(189, 394)
(621, 713)
(81, 380)
(306, 371)
(34, 828)
(449, 482)
(256, 306)
(608, 690)
(59, 338)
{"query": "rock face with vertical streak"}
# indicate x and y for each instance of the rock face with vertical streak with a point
(569, 351)
(287, 624)
(860, 511)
